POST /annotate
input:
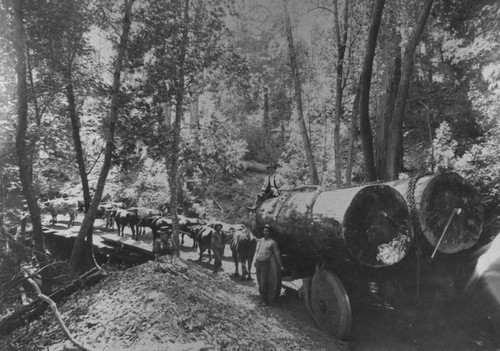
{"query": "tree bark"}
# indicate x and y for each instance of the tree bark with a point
(75, 123)
(353, 134)
(195, 115)
(384, 115)
(341, 47)
(395, 145)
(23, 158)
(298, 98)
(78, 259)
(364, 99)
(172, 156)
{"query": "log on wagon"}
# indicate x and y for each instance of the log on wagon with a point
(446, 210)
(367, 225)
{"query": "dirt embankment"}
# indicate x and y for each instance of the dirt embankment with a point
(180, 306)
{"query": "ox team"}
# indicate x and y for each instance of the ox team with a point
(210, 237)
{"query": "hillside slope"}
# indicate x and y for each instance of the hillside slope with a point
(180, 306)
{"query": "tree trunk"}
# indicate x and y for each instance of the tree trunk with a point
(353, 133)
(78, 259)
(298, 98)
(384, 115)
(75, 123)
(394, 145)
(173, 154)
(364, 99)
(23, 158)
(341, 46)
(266, 125)
(195, 113)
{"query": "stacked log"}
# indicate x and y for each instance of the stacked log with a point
(367, 224)
(448, 210)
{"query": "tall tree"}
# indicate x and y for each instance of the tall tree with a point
(298, 97)
(390, 62)
(63, 54)
(364, 97)
(395, 137)
(78, 258)
(23, 157)
(341, 41)
(172, 154)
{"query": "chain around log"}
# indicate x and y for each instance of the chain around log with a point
(415, 226)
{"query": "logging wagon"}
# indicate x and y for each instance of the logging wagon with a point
(321, 232)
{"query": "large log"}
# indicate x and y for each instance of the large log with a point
(444, 201)
(367, 225)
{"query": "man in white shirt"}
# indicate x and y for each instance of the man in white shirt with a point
(270, 188)
(266, 248)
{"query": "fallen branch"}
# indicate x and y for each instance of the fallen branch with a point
(27, 313)
(220, 207)
(55, 310)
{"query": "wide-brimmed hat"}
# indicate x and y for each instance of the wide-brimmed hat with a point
(273, 165)
(266, 226)
(165, 229)
(218, 225)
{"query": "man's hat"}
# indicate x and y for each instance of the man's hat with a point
(266, 226)
(165, 229)
(273, 165)
(218, 225)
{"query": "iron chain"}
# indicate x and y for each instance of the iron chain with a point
(415, 225)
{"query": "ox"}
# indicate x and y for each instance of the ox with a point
(142, 213)
(124, 218)
(135, 218)
(107, 211)
(243, 244)
(185, 225)
(203, 235)
(155, 223)
(62, 206)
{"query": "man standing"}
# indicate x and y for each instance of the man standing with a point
(217, 245)
(272, 183)
(266, 248)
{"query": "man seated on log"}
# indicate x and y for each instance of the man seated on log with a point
(270, 188)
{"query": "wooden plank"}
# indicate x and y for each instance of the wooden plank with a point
(129, 243)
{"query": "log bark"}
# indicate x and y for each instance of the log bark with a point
(368, 225)
(435, 198)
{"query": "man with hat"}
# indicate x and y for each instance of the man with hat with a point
(217, 245)
(165, 245)
(272, 183)
(266, 248)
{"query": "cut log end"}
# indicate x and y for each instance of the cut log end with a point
(376, 226)
(451, 203)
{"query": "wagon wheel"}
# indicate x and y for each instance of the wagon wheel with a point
(330, 304)
(306, 284)
(273, 280)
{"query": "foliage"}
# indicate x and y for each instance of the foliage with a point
(480, 164)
